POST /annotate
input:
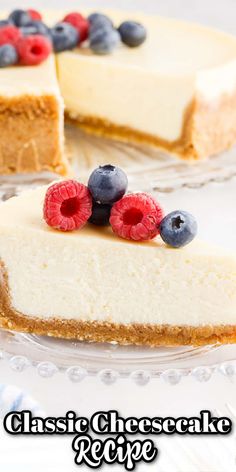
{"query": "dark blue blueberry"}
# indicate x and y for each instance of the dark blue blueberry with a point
(99, 19)
(36, 27)
(100, 214)
(107, 184)
(20, 18)
(132, 34)
(64, 37)
(8, 55)
(104, 39)
(5, 23)
(178, 228)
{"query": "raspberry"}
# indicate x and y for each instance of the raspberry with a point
(33, 49)
(9, 35)
(67, 205)
(136, 216)
(34, 14)
(80, 24)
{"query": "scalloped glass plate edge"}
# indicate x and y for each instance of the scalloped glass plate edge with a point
(78, 360)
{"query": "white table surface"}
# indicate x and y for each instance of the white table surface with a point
(58, 394)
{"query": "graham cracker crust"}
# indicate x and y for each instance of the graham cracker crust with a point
(30, 135)
(139, 334)
(208, 129)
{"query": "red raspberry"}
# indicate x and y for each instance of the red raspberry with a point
(67, 205)
(80, 23)
(9, 35)
(34, 14)
(33, 49)
(136, 216)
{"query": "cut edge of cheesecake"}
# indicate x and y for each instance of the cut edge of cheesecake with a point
(207, 130)
(48, 279)
(107, 332)
(39, 144)
(146, 293)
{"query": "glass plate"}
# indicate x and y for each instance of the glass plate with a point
(111, 361)
(148, 168)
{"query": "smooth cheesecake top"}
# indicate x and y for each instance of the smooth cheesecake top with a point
(25, 212)
(171, 47)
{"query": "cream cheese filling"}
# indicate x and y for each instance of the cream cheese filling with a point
(92, 275)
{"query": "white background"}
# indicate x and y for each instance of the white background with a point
(57, 395)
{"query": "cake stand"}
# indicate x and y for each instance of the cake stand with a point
(148, 170)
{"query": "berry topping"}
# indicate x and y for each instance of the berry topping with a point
(34, 14)
(8, 55)
(33, 49)
(107, 184)
(100, 214)
(67, 205)
(136, 216)
(9, 35)
(36, 27)
(80, 24)
(132, 34)
(103, 39)
(178, 228)
(99, 19)
(20, 17)
(64, 37)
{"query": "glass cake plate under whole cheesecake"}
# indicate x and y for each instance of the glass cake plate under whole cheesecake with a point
(208, 190)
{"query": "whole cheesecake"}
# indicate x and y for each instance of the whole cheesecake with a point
(177, 91)
(91, 285)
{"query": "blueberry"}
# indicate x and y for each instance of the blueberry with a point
(100, 214)
(178, 228)
(104, 39)
(64, 37)
(132, 34)
(8, 55)
(5, 23)
(36, 27)
(99, 19)
(107, 184)
(20, 17)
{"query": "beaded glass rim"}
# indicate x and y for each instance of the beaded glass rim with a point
(110, 362)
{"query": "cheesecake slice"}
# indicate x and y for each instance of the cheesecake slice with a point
(177, 91)
(31, 120)
(91, 285)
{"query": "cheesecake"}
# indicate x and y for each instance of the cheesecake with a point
(91, 285)
(176, 92)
